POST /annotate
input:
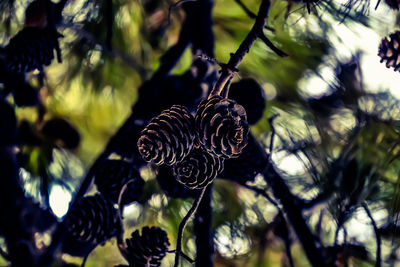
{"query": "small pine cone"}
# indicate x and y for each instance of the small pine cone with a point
(222, 127)
(169, 137)
(113, 175)
(32, 48)
(198, 169)
(389, 51)
(93, 220)
(147, 249)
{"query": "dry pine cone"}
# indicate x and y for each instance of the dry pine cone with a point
(147, 249)
(32, 48)
(389, 50)
(198, 169)
(93, 220)
(222, 127)
(169, 137)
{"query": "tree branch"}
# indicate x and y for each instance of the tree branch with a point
(311, 244)
(268, 43)
(229, 69)
(202, 230)
(261, 192)
(377, 235)
(250, 13)
(183, 223)
(110, 21)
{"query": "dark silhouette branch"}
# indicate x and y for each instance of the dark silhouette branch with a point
(183, 223)
(377, 235)
(308, 204)
(110, 21)
(246, 10)
(271, 46)
(250, 13)
(203, 232)
(186, 257)
(231, 67)
(311, 244)
(261, 192)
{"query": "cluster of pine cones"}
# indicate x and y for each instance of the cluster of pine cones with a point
(196, 146)
(95, 220)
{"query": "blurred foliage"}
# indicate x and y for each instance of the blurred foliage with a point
(347, 144)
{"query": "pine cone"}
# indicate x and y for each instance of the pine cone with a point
(147, 249)
(169, 137)
(249, 94)
(389, 50)
(251, 162)
(113, 176)
(222, 127)
(32, 48)
(93, 220)
(198, 169)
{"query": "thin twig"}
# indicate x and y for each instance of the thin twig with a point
(121, 194)
(120, 239)
(287, 241)
(321, 197)
(268, 43)
(127, 59)
(339, 226)
(84, 260)
(229, 69)
(182, 226)
(377, 235)
(311, 244)
(271, 142)
(251, 14)
(186, 257)
(261, 192)
(246, 9)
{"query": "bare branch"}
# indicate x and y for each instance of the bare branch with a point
(127, 59)
(377, 235)
(229, 69)
(251, 14)
(186, 257)
(182, 226)
(268, 43)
